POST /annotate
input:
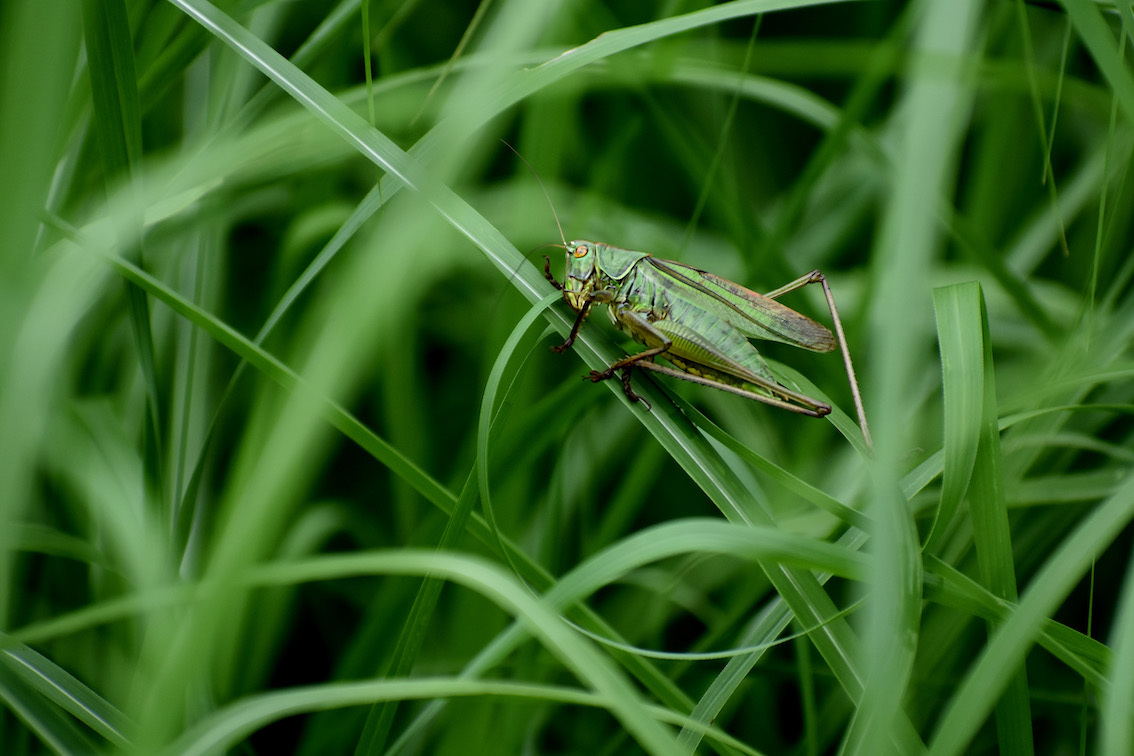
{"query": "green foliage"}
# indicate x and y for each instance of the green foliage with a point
(287, 464)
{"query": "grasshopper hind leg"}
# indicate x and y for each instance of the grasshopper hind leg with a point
(629, 391)
(595, 376)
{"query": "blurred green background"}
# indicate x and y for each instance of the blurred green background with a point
(289, 467)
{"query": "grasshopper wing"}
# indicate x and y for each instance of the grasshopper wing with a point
(709, 342)
(754, 315)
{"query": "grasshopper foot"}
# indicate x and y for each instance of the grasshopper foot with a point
(630, 392)
(564, 346)
(595, 376)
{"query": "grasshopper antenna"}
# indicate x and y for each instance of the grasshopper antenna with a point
(545, 193)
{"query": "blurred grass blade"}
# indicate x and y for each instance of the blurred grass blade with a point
(118, 126)
(30, 352)
(1116, 718)
(376, 730)
(114, 86)
(280, 373)
(187, 502)
(1097, 38)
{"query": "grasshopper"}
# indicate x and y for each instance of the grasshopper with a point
(698, 321)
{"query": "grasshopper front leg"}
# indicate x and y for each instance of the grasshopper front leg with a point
(578, 320)
(547, 273)
(574, 329)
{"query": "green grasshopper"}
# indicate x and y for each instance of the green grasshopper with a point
(698, 321)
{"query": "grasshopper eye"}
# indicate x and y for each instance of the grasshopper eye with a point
(582, 250)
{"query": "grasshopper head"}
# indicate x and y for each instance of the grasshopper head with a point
(581, 273)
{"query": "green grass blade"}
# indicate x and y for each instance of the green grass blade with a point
(1117, 714)
(277, 371)
(50, 725)
(64, 691)
(998, 664)
(118, 126)
(991, 535)
(1092, 29)
(960, 333)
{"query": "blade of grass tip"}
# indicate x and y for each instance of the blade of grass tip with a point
(368, 70)
(962, 362)
(991, 536)
(722, 141)
(1058, 98)
(1089, 302)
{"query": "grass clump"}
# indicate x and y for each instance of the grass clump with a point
(289, 467)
